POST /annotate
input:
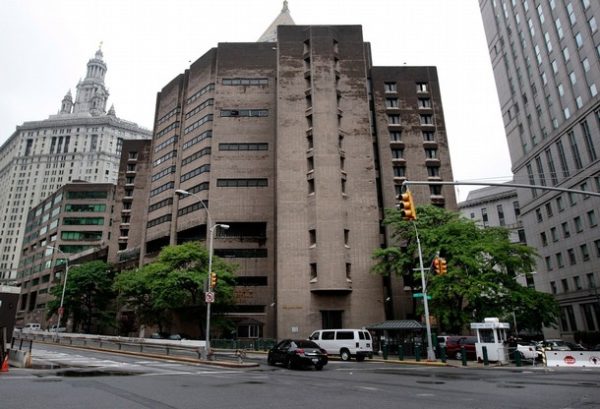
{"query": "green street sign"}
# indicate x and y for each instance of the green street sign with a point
(420, 295)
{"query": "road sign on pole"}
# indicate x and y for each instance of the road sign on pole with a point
(420, 295)
(209, 297)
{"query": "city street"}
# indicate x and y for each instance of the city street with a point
(70, 378)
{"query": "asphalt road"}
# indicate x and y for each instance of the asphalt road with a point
(69, 378)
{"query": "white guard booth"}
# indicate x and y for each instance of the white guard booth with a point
(491, 333)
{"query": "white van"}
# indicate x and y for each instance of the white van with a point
(32, 326)
(347, 343)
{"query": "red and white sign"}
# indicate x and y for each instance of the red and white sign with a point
(570, 360)
(209, 297)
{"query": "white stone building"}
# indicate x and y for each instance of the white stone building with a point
(82, 142)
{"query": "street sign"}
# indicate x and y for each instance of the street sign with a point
(209, 297)
(420, 295)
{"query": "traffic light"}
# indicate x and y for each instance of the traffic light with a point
(213, 280)
(407, 206)
(443, 266)
(436, 265)
(439, 266)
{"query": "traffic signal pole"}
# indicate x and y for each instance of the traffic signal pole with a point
(430, 353)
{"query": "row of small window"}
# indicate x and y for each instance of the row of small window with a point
(245, 81)
(434, 190)
(81, 235)
(168, 116)
(198, 94)
(423, 103)
(577, 284)
(248, 182)
(400, 171)
(163, 173)
(394, 119)
(171, 127)
(391, 87)
(207, 103)
(244, 112)
(566, 232)
(166, 157)
(172, 140)
(430, 153)
(565, 171)
(500, 212)
(198, 123)
(583, 250)
(560, 203)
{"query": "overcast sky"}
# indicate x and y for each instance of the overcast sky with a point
(146, 43)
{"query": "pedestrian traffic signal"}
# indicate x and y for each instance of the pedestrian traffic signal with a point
(407, 206)
(213, 280)
(439, 266)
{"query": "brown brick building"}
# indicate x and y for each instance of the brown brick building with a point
(298, 145)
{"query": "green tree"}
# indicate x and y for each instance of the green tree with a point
(482, 265)
(174, 283)
(88, 297)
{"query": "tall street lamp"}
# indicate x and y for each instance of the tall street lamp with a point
(62, 298)
(209, 296)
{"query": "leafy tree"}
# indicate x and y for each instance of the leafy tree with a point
(482, 265)
(174, 283)
(88, 297)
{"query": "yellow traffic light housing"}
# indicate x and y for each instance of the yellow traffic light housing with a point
(213, 280)
(437, 265)
(443, 266)
(407, 206)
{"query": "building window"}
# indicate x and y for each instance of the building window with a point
(589, 143)
(578, 224)
(313, 271)
(585, 253)
(312, 237)
(571, 255)
(560, 204)
(399, 171)
(394, 119)
(549, 209)
(565, 230)
(548, 263)
(559, 260)
(516, 208)
(592, 221)
(433, 171)
(422, 87)
(501, 215)
(395, 136)
(244, 112)
(242, 182)
(428, 136)
(426, 119)
(311, 186)
(538, 215)
(390, 87)
(391, 102)
(544, 239)
(563, 159)
(484, 216)
(245, 81)
(575, 150)
(397, 153)
(346, 237)
(424, 103)
(431, 153)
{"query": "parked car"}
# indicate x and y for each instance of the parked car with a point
(454, 346)
(528, 350)
(347, 343)
(554, 345)
(294, 353)
(32, 326)
(54, 328)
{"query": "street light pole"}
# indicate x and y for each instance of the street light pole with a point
(62, 297)
(430, 353)
(210, 230)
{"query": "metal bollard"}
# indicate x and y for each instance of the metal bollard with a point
(401, 352)
(443, 354)
(518, 358)
(418, 353)
(486, 361)
(385, 351)
(463, 356)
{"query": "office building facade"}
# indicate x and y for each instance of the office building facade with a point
(545, 56)
(70, 223)
(298, 144)
(82, 142)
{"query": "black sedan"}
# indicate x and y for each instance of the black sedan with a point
(294, 353)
